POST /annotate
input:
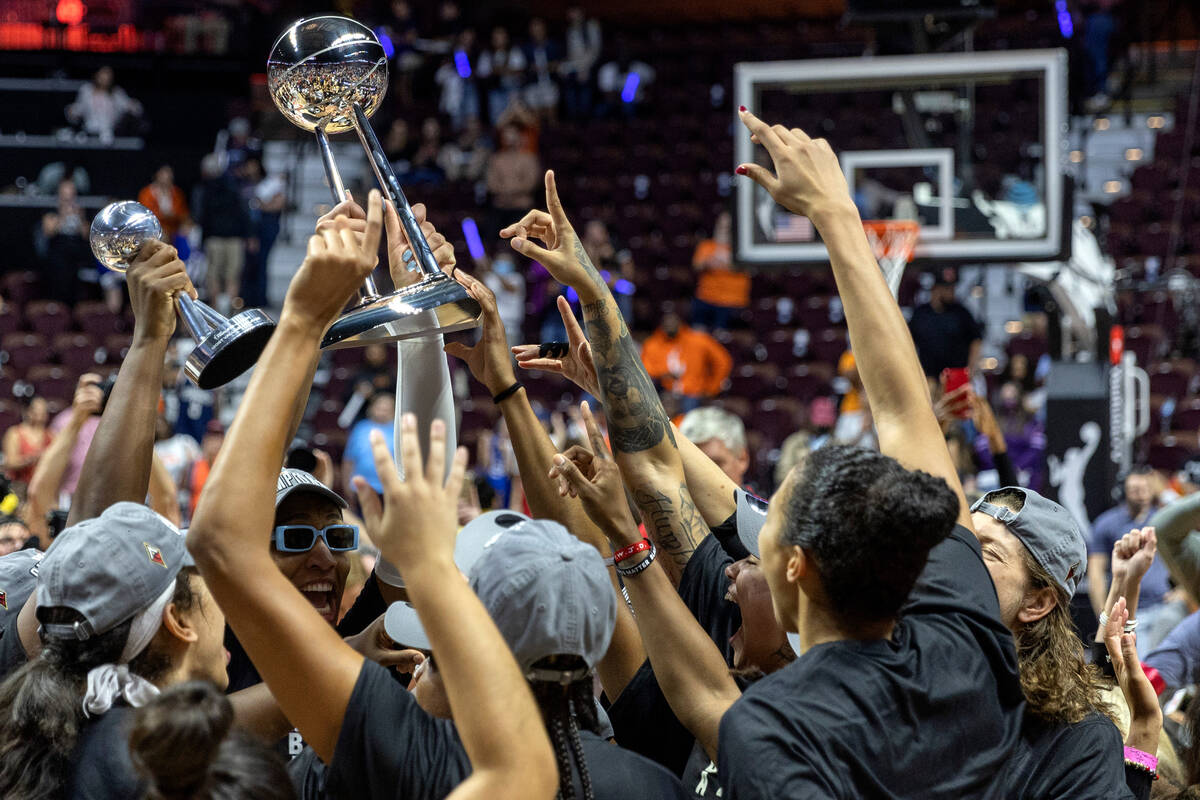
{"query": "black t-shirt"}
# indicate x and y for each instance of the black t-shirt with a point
(641, 716)
(933, 712)
(390, 748)
(12, 652)
(103, 768)
(1084, 761)
(943, 339)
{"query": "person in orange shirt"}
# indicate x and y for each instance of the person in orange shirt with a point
(686, 362)
(167, 202)
(721, 289)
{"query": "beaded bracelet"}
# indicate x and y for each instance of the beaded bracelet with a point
(641, 566)
(631, 550)
(1140, 760)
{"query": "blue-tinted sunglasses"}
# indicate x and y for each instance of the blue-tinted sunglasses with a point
(302, 538)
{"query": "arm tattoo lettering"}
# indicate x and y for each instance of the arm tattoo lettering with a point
(670, 524)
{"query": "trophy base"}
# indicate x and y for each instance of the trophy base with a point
(437, 304)
(230, 350)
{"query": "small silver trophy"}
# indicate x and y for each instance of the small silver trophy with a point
(225, 348)
(328, 75)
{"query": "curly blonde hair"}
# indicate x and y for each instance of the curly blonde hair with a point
(1059, 686)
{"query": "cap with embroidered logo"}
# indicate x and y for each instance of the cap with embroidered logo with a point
(110, 568)
(1047, 530)
(18, 579)
(293, 480)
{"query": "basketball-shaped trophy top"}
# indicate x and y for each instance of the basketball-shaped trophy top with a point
(321, 66)
(119, 231)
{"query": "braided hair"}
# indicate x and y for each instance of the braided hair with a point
(566, 709)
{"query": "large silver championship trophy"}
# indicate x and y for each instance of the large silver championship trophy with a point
(328, 75)
(225, 348)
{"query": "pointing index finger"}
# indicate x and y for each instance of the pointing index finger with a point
(599, 447)
(553, 204)
(766, 136)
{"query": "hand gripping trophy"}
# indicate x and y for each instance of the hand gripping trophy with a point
(225, 348)
(328, 75)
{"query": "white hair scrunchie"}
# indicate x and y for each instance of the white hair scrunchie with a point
(107, 682)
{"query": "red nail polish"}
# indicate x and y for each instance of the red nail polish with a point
(740, 170)
(741, 108)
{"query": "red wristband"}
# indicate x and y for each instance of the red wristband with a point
(631, 550)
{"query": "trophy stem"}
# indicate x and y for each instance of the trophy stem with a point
(387, 180)
(369, 291)
(214, 317)
(193, 318)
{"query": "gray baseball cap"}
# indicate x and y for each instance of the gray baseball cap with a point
(475, 535)
(403, 626)
(293, 480)
(548, 593)
(110, 568)
(18, 579)
(751, 516)
(1047, 530)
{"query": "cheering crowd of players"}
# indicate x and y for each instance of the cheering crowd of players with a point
(864, 633)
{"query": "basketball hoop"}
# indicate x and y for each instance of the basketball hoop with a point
(893, 241)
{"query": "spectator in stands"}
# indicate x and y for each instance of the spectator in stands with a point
(178, 452)
(61, 244)
(224, 217)
(357, 460)
(584, 40)
(792, 453)
(512, 176)
(236, 143)
(459, 99)
(73, 429)
(103, 109)
(1157, 612)
(502, 70)
(374, 376)
(508, 284)
(1024, 433)
(543, 56)
(401, 28)
(425, 167)
(722, 437)
(622, 82)
(945, 333)
(210, 446)
(399, 146)
(686, 362)
(615, 263)
(13, 534)
(822, 416)
(268, 197)
(166, 201)
(25, 442)
(465, 158)
(1098, 27)
(722, 290)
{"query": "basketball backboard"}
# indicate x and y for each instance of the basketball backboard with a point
(971, 145)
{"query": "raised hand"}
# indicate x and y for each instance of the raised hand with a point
(420, 512)
(1133, 554)
(488, 358)
(808, 179)
(155, 277)
(576, 366)
(1145, 721)
(374, 643)
(563, 254)
(602, 491)
(88, 396)
(400, 254)
(337, 263)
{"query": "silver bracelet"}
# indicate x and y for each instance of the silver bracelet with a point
(1103, 620)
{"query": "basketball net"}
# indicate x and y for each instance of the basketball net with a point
(893, 241)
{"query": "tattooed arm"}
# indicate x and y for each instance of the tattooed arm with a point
(638, 426)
